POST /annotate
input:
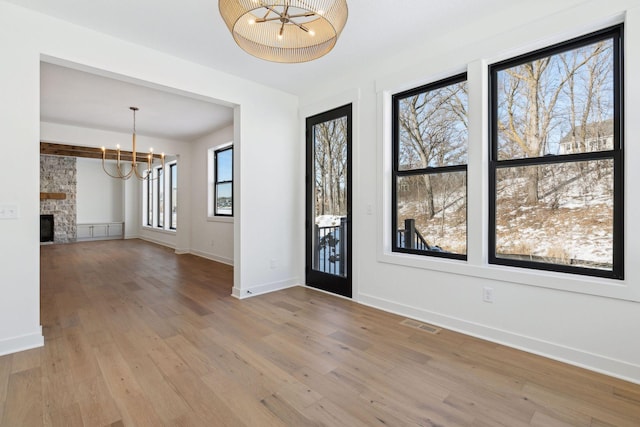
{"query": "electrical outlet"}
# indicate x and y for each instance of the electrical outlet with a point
(487, 294)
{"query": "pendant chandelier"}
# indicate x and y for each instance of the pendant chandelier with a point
(133, 171)
(285, 30)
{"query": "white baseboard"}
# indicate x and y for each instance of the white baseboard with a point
(21, 343)
(263, 289)
(212, 257)
(157, 242)
(594, 362)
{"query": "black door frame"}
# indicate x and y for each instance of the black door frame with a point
(314, 278)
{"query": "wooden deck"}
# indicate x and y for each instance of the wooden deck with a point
(136, 335)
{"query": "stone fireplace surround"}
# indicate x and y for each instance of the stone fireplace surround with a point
(58, 175)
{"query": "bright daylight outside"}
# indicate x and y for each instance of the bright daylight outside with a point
(224, 182)
(431, 178)
(556, 107)
(330, 171)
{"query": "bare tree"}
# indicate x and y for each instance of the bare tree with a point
(541, 100)
(433, 128)
(330, 143)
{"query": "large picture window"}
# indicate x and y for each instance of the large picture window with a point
(556, 158)
(160, 198)
(223, 181)
(429, 189)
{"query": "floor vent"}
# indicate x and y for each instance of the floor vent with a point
(422, 326)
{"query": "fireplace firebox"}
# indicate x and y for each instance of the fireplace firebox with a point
(46, 228)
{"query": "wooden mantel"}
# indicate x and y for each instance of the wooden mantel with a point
(57, 196)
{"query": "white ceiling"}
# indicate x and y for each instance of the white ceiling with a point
(194, 30)
(77, 98)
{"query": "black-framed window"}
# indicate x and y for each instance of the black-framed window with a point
(173, 196)
(429, 176)
(556, 158)
(223, 181)
(160, 198)
(149, 190)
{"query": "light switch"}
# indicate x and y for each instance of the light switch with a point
(8, 211)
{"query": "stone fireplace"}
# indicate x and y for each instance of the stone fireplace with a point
(58, 195)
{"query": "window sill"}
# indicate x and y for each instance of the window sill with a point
(159, 230)
(228, 219)
(567, 282)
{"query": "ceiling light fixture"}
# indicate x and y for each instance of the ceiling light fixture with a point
(285, 30)
(134, 159)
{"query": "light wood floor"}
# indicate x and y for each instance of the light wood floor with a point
(136, 335)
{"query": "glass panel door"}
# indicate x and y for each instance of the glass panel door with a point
(329, 201)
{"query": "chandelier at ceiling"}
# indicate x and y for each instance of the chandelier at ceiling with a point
(285, 30)
(133, 171)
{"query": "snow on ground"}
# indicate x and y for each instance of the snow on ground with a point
(574, 220)
(328, 220)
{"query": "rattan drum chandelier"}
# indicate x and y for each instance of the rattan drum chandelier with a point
(285, 30)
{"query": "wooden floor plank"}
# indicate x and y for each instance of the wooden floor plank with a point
(328, 413)
(203, 401)
(97, 406)
(24, 399)
(137, 335)
(26, 360)
(123, 386)
(289, 415)
(621, 414)
(346, 393)
(240, 401)
(58, 392)
(69, 416)
(82, 361)
(5, 373)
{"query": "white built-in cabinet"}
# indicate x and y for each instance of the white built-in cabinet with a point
(100, 231)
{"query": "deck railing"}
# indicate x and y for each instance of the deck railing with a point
(330, 253)
(410, 238)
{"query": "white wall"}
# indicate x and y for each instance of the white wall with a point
(19, 249)
(99, 197)
(585, 321)
(265, 123)
(133, 211)
(210, 237)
